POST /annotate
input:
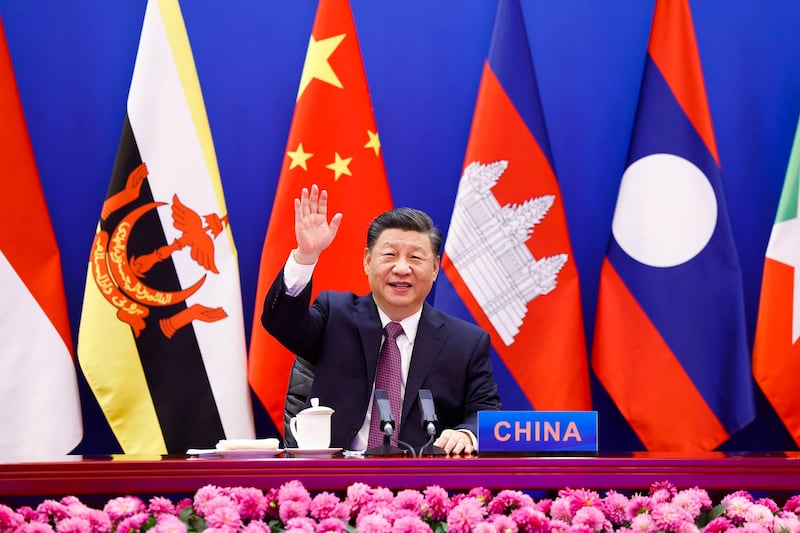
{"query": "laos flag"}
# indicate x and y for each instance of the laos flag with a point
(507, 262)
(670, 345)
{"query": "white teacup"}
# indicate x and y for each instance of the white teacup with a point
(312, 427)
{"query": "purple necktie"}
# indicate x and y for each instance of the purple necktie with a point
(388, 377)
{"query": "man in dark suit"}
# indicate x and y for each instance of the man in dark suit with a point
(341, 334)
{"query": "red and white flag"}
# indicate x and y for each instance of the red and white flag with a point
(40, 413)
(334, 143)
(776, 352)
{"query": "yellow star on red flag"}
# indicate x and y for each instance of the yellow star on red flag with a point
(340, 166)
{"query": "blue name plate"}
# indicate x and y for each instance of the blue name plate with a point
(546, 432)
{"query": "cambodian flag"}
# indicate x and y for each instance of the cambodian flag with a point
(670, 345)
(508, 263)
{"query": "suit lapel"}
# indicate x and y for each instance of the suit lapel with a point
(369, 328)
(427, 345)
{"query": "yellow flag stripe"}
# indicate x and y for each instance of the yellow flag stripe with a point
(175, 28)
(110, 361)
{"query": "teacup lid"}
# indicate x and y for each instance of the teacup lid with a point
(316, 409)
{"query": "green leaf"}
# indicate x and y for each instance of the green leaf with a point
(704, 518)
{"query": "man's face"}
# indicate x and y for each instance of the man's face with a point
(401, 268)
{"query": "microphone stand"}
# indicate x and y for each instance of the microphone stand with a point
(386, 449)
(428, 449)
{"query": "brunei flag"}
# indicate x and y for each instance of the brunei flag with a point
(40, 411)
(334, 143)
(670, 345)
(776, 353)
(508, 263)
(161, 339)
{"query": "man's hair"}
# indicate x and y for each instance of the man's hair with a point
(406, 219)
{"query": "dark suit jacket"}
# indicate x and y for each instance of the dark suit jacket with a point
(341, 334)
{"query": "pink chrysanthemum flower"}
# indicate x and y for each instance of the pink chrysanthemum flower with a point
(99, 522)
(561, 510)
(465, 516)
(532, 520)
(437, 503)
(483, 494)
(159, 505)
(256, 526)
(760, 514)
(615, 508)
(739, 494)
(485, 527)
(168, 523)
(132, 523)
(593, 518)
(580, 498)
(737, 508)
(293, 491)
(503, 523)
(35, 527)
(28, 514)
(719, 524)
(786, 521)
(73, 524)
(323, 505)
(643, 523)
(272, 503)
(665, 486)
(373, 523)
(638, 505)
(792, 504)
(358, 494)
(559, 526)
(124, 507)
(289, 509)
(543, 505)
(300, 524)
(669, 517)
(224, 516)
(251, 501)
(508, 500)
(331, 525)
(688, 527)
(53, 510)
(182, 504)
(753, 527)
(205, 494)
(411, 500)
(694, 501)
(769, 503)
(410, 524)
(580, 528)
(9, 520)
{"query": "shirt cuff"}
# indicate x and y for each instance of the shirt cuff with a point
(296, 276)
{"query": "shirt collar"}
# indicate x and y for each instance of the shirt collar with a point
(410, 323)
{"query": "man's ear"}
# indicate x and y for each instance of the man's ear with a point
(367, 258)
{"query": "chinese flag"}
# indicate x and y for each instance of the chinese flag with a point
(334, 143)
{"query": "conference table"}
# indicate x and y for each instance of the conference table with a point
(775, 473)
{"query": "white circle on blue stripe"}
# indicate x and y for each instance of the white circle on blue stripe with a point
(666, 211)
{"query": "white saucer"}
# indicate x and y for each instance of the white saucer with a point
(311, 452)
(253, 453)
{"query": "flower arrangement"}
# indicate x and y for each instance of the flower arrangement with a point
(291, 508)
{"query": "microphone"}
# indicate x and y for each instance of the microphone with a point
(384, 412)
(387, 423)
(428, 410)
